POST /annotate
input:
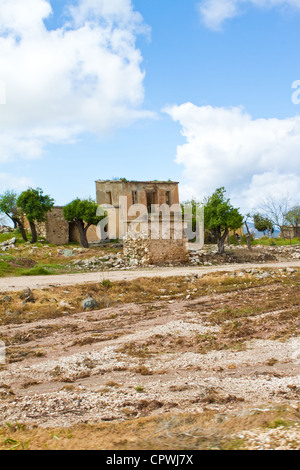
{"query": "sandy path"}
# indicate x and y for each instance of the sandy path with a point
(19, 283)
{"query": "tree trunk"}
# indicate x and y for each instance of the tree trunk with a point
(248, 236)
(221, 241)
(33, 232)
(82, 233)
(18, 223)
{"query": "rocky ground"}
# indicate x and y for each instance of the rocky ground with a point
(19, 258)
(189, 362)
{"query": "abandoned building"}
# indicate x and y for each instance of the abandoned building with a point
(158, 238)
(57, 231)
(146, 193)
(290, 232)
(158, 242)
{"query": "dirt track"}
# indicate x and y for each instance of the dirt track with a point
(19, 283)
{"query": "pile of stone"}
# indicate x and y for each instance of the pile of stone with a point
(203, 257)
(111, 261)
(8, 244)
(136, 250)
(6, 229)
(209, 255)
(147, 251)
(288, 251)
(263, 274)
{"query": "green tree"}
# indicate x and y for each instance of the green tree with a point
(84, 213)
(35, 205)
(220, 217)
(262, 223)
(9, 207)
(293, 217)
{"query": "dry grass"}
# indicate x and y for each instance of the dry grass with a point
(204, 431)
(56, 302)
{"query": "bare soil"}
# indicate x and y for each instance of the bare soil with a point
(208, 361)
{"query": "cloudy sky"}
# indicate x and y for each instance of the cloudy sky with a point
(204, 92)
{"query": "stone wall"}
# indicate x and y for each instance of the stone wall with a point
(290, 232)
(55, 229)
(155, 252)
(133, 192)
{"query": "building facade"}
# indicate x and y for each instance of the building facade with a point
(121, 194)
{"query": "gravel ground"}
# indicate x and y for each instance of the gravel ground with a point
(37, 282)
(130, 361)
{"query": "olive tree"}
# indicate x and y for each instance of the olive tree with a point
(220, 217)
(9, 207)
(35, 205)
(263, 224)
(84, 213)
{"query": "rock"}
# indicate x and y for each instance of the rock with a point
(27, 296)
(67, 253)
(290, 270)
(89, 303)
(64, 304)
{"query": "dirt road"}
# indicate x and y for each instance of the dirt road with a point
(36, 282)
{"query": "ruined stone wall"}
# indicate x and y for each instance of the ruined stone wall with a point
(290, 232)
(135, 192)
(157, 244)
(55, 229)
(155, 252)
(126, 188)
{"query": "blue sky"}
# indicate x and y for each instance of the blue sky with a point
(200, 94)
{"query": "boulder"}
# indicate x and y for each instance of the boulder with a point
(27, 296)
(89, 303)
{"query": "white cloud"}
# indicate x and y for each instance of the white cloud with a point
(214, 12)
(226, 147)
(85, 77)
(8, 181)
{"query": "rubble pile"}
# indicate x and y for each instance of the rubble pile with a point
(111, 261)
(149, 251)
(6, 229)
(290, 251)
(8, 244)
(136, 250)
(208, 255)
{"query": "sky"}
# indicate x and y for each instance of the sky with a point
(206, 93)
